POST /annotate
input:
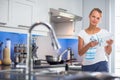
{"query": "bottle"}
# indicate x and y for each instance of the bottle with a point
(6, 56)
(16, 54)
(8, 44)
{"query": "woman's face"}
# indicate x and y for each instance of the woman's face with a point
(95, 18)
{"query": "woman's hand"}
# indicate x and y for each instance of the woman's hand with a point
(93, 43)
(109, 42)
(108, 48)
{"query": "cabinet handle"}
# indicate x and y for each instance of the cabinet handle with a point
(1, 23)
(23, 26)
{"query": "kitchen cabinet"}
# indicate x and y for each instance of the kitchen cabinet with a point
(4, 12)
(17, 15)
(22, 13)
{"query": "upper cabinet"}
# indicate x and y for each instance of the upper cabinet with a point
(22, 13)
(4, 14)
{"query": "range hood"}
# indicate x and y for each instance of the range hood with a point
(62, 15)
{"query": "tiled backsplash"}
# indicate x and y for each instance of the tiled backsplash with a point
(17, 38)
(69, 43)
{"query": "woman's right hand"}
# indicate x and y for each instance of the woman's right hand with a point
(93, 43)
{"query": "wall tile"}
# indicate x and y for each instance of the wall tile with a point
(15, 38)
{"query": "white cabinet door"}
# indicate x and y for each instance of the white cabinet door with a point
(22, 13)
(4, 14)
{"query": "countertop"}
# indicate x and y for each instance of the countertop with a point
(45, 73)
(55, 72)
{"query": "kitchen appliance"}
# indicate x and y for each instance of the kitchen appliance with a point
(62, 15)
(58, 60)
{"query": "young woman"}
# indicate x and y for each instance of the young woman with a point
(94, 44)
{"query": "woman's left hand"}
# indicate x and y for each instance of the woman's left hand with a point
(108, 47)
(109, 42)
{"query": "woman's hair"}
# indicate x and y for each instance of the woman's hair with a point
(96, 9)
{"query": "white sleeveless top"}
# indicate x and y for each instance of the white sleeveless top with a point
(97, 53)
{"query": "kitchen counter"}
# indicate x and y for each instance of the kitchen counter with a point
(12, 73)
(44, 72)
(50, 73)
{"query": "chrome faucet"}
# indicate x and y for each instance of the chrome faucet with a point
(69, 54)
(54, 41)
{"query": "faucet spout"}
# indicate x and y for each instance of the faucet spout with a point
(68, 51)
(54, 41)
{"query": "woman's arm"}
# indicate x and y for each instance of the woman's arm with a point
(83, 48)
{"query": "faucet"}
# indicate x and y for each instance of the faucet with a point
(55, 45)
(69, 54)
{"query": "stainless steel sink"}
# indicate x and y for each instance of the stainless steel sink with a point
(56, 72)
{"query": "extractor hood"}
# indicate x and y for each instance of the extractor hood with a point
(62, 15)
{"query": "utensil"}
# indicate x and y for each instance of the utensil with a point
(53, 60)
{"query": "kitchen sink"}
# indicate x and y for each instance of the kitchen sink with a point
(53, 72)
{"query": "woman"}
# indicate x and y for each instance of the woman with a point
(95, 44)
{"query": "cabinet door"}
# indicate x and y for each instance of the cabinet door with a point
(4, 14)
(22, 12)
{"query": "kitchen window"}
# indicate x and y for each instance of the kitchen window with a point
(117, 37)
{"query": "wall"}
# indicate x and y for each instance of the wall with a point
(69, 43)
(89, 5)
(45, 47)
(112, 30)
